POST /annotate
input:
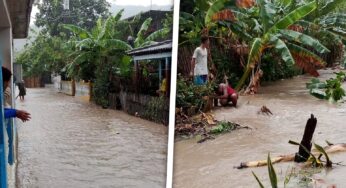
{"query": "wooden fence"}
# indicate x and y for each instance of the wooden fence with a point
(33, 82)
(148, 107)
(152, 108)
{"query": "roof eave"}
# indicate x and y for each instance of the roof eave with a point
(20, 12)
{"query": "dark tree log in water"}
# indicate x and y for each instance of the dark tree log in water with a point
(303, 155)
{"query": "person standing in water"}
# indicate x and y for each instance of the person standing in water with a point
(22, 90)
(199, 62)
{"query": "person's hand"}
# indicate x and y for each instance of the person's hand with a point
(23, 115)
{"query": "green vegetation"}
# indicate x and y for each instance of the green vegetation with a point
(83, 13)
(154, 109)
(315, 161)
(305, 174)
(190, 95)
(87, 43)
(51, 50)
(272, 175)
(330, 89)
(280, 38)
(222, 127)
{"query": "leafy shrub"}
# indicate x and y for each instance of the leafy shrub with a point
(157, 110)
(223, 127)
(273, 69)
(101, 86)
(331, 89)
(189, 94)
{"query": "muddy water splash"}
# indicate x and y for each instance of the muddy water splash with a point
(211, 164)
(71, 143)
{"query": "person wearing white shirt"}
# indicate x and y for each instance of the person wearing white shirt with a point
(200, 62)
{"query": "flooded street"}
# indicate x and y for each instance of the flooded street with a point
(73, 143)
(211, 164)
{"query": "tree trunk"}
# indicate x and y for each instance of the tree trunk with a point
(303, 155)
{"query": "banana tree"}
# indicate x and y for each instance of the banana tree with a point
(274, 36)
(190, 27)
(327, 23)
(103, 41)
(93, 48)
(143, 40)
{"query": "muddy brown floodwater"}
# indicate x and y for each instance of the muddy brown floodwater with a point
(72, 143)
(211, 164)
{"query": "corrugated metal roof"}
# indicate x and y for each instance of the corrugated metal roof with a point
(165, 46)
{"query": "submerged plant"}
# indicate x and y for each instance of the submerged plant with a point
(222, 127)
(316, 163)
(334, 90)
(322, 151)
(272, 175)
(331, 89)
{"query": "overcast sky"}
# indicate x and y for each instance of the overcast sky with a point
(141, 2)
(123, 3)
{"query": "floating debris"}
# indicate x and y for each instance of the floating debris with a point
(203, 125)
(304, 153)
(265, 110)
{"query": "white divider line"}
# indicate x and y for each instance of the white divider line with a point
(170, 151)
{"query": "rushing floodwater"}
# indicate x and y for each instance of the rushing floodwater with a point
(211, 164)
(71, 143)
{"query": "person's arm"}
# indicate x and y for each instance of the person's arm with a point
(226, 79)
(21, 114)
(225, 93)
(10, 113)
(193, 62)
